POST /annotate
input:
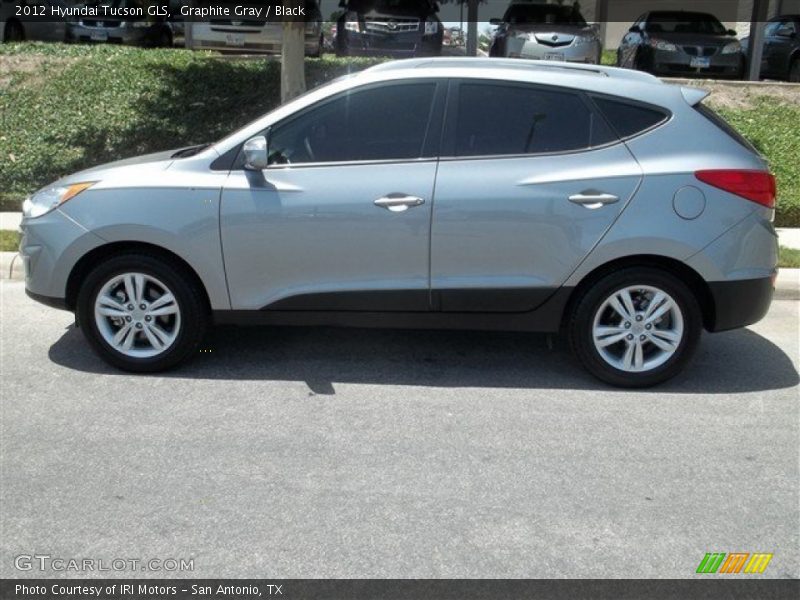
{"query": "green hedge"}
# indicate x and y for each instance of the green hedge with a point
(86, 105)
(67, 107)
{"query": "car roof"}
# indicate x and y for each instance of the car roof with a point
(626, 83)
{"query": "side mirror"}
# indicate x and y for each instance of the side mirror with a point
(256, 156)
(786, 32)
(495, 21)
(732, 32)
(634, 29)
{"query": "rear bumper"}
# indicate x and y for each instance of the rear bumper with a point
(740, 303)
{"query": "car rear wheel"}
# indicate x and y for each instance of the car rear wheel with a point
(635, 328)
(141, 313)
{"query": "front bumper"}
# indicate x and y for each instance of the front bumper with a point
(50, 247)
(518, 47)
(680, 64)
(264, 40)
(129, 36)
(397, 45)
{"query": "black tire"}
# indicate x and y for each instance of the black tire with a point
(584, 308)
(194, 313)
(794, 70)
(14, 32)
(165, 39)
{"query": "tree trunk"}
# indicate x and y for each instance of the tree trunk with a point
(293, 68)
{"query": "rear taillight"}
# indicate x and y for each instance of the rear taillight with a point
(757, 186)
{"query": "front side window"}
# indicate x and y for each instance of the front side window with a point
(383, 123)
(508, 119)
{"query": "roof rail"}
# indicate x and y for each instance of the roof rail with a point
(516, 63)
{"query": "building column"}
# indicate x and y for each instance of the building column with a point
(755, 48)
(472, 28)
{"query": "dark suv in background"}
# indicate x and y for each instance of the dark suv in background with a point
(399, 28)
(781, 55)
(682, 44)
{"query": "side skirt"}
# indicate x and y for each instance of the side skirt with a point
(546, 318)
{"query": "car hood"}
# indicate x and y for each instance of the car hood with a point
(157, 161)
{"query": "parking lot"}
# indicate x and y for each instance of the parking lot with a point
(355, 453)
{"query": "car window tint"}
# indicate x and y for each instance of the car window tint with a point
(629, 119)
(385, 123)
(512, 119)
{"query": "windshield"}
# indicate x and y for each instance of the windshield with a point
(682, 22)
(406, 6)
(543, 13)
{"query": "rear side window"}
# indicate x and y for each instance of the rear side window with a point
(629, 119)
(724, 126)
(500, 119)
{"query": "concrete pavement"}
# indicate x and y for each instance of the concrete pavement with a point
(353, 453)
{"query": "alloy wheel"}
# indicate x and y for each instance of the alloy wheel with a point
(638, 328)
(137, 315)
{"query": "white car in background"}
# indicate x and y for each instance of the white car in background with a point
(249, 36)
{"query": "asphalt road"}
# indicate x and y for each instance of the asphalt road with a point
(352, 453)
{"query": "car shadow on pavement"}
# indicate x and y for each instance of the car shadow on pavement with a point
(726, 363)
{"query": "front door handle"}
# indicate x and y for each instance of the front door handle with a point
(398, 202)
(593, 199)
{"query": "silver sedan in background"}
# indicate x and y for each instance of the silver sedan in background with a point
(546, 32)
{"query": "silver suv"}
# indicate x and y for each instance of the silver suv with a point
(501, 194)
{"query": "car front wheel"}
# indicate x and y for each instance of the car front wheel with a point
(636, 328)
(141, 313)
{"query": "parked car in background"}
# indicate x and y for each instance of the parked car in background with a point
(244, 35)
(159, 32)
(15, 29)
(682, 44)
(454, 193)
(399, 28)
(781, 54)
(545, 32)
(454, 37)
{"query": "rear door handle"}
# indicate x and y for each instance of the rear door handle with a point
(592, 199)
(398, 202)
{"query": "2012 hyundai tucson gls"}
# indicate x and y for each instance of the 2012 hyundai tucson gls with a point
(434, 193)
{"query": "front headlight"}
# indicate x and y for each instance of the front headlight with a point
(732, 48)
(51, 197)
(664, 46)
(584, 39)
(431, 27)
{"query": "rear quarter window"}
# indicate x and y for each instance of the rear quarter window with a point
(630, 119)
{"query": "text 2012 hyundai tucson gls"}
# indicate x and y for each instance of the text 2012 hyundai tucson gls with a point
(441, 193)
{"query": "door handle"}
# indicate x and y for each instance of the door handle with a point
(592, 199)
(398, 202)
